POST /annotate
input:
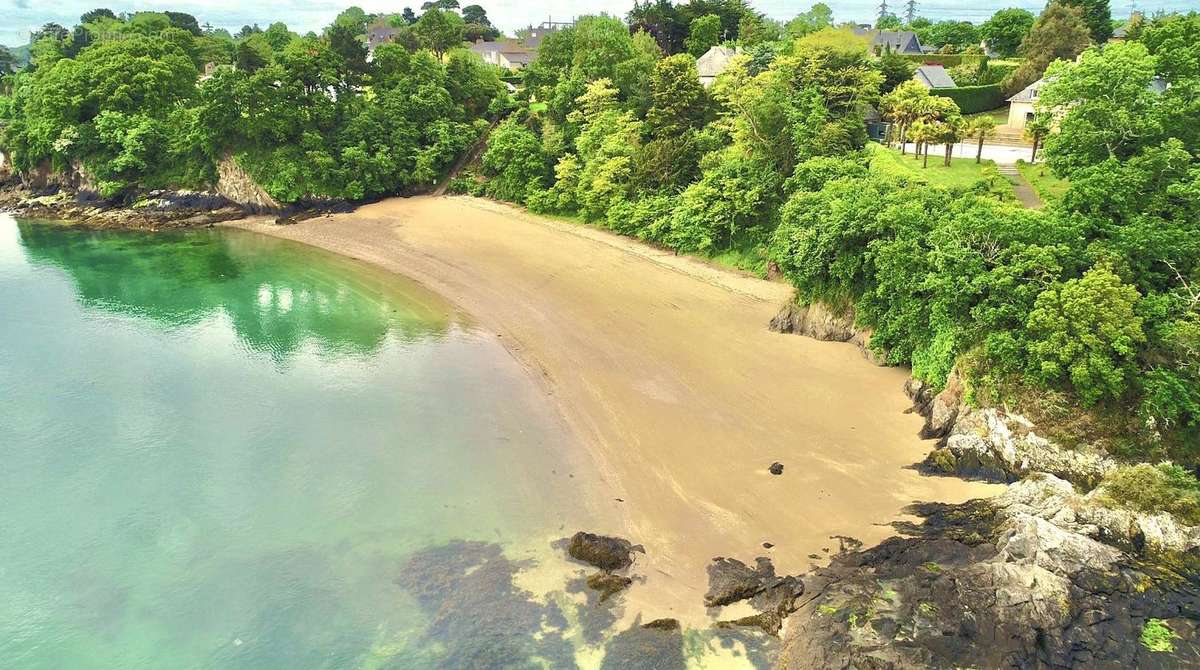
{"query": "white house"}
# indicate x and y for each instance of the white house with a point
(1022, 106)
(713, 62)
(505, 53)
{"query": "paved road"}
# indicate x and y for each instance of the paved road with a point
(1000, 153)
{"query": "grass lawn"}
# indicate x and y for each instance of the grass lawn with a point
(1048, 187)
(1000, 116)
(962, 173)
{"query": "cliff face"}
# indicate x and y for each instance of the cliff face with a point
(822, 322)
(237, 186)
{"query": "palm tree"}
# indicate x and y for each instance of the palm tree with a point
(953, 130)
(902, 107)
(982, 127)
(922, 133)
(1037, 129)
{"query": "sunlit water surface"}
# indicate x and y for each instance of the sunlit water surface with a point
(220, 450)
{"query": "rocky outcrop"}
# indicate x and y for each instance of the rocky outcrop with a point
(602, 551)
(940, 408)
(157, 210)
(1013, 582)
(821, 322)
(993, 444)
(774, 597)
(235, 185)
(609, 554)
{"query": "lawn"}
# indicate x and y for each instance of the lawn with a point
(962, 173)
(1048, 187)
(999, 115)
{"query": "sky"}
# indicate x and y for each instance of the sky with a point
(19, 17)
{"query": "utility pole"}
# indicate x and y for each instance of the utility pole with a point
(910, 12)
(883, 9)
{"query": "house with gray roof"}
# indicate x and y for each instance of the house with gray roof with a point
(713, 63)
(504, 53)
(933, 76)
(897, 41)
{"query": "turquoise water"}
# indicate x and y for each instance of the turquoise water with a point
(223, 450)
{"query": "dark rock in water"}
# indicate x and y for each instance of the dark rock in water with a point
(476, 615)
(608, 584)
(651, 647)
(776, 468)
(774, 597)
(663, 624)
(767, 545)
(601, 551)
(769, 622)
(730, 580)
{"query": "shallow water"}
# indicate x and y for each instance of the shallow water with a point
(223, 450)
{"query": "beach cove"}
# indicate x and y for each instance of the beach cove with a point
(665, 370)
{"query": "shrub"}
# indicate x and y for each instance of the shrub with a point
(973, 99)
(1165, 487)
(1085, 332)
(945, 60)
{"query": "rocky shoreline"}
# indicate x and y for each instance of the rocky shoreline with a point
(1045, 575)
(72, 196)
(158, 210)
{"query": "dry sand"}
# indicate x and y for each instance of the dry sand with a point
(666, 371)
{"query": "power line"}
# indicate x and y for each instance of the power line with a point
(883, 9)
(910, 11)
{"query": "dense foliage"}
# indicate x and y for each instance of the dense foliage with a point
(1094, 298)
(308, 116)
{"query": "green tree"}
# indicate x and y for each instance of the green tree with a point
(819, 17)
(755, 29)
(1086, 333)
(514, 162)
(353, 18)
(253, 53)
(896, 70)
(1106, 106)
(278, 36)
(440, 30)
(1006, 29)
(475, 14)
(703, 32)
(888, 21)
(1098, 17)
(956, 34)
(680, 103)
(184, 22)
(1059, 33)
(347, 45)
(95, 14)
(981, 128)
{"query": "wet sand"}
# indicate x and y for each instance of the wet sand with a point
(664, 368)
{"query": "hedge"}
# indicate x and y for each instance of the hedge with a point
(972, 99)
(947, 60)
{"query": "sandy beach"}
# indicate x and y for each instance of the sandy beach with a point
(664, 368)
